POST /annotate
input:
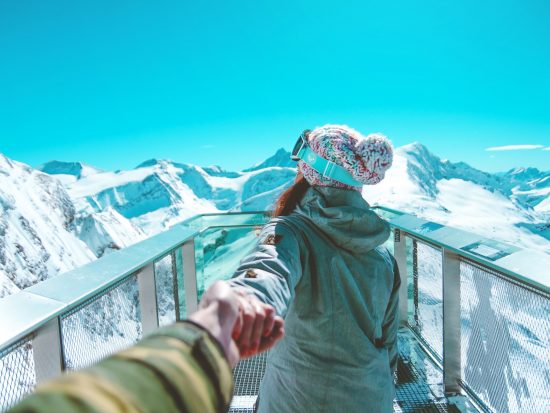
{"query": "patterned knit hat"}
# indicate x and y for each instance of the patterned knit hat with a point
(365, 158)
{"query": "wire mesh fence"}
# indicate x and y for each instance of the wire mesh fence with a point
(102, 325)
(165, 284)
(505, 336)
(427, 317)
(17, 373)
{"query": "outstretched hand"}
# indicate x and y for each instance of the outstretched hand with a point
(242, 324)
(258, 327)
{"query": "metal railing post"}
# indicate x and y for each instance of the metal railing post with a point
(415, 295)
(400, 254)
(190, 276)
(46, 350)
(451, 322)
(148, 298)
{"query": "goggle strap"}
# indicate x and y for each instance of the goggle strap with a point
(326, 168)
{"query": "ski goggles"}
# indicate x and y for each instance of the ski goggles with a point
(303, 152)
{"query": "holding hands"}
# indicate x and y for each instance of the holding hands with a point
(242, 324)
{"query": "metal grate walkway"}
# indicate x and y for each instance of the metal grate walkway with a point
(419, 382)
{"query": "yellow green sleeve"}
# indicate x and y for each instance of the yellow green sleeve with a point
(180, 368)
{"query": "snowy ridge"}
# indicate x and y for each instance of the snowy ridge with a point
(159, 193)
(68, 171)
(531, 187)
(150, 196)
(281, 158)
(53, 223)
(106, 231)
(422, 184)
(36, 228)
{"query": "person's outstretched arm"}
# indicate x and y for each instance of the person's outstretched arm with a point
(273, 268)
(185, 367)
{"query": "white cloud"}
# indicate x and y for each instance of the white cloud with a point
(546, 149)
(515, 147)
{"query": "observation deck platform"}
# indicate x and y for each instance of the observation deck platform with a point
(474, 313)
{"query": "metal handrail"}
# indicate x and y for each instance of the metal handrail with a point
(37, 305)
(50, 298)
(37, 310)
(531, 268)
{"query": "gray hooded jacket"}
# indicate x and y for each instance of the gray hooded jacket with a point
(323, 268)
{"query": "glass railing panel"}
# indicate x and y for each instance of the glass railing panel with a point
(199, 263)
(165, 284)
(505, 335)
(102, 325)
(193, 222)
(225, 220)
(179, 289)
(220, 251)
(17, 373)
(386, 213)
(428, 295)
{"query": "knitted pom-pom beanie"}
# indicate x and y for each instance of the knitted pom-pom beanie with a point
(366, 158)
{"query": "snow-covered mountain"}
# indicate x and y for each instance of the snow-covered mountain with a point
(106, 231)
(37, 223)
(513, 206)
(68, 171)
(281, 158)
(458, 195)
(158, 193)
(43, 234)
(531, 187)
(53, 222)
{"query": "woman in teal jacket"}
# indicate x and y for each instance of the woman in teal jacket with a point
(321, 263)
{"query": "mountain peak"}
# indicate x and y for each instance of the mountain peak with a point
(148, 162)
(414, 147)
(529, 171)
(5, 160)
(159, 162)
(281, 158)
(420, 155)
(216, 170)
(76, 169)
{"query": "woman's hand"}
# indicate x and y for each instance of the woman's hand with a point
(242, 324)
(258, 328)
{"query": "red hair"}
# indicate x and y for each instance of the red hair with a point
(291, 197)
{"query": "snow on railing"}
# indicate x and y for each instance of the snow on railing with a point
(480, 308)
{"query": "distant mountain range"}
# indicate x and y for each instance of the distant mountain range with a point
(64, 214)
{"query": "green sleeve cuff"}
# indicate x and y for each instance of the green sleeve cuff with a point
(208, 353)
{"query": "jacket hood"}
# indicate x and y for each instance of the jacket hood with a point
(345, 217)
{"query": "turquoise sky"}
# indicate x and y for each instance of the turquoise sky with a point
(113, 83)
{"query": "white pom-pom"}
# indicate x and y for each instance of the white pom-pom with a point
(376, 152)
